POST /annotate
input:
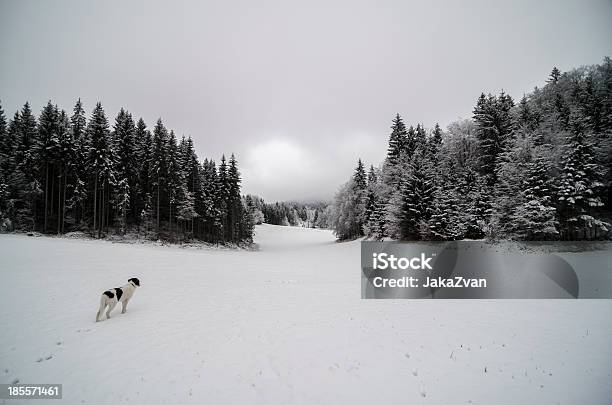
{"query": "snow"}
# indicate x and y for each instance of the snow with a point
(283, 324)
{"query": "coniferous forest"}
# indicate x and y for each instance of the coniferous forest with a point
(61, 172)
(534, 169)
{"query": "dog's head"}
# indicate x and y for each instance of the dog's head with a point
(134, 281)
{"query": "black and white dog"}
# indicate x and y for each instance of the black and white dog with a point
(111, 297)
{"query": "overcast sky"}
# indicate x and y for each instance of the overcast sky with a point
(297, 90)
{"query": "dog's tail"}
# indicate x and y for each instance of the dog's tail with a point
(102, 306)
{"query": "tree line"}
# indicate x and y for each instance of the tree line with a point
(308, 215)
(539, 169)
(62, 173)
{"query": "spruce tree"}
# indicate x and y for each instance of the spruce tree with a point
(126, 167)
(66, 163)
(494, 126)
(360, 176)
(234, 202)
(397, 140)
(26, 179)
(175, 181)
(7, 146)
(554, 76)
(535, 218)
(444, 222)
(579, 186)
(6, 152)
(144, 144)
(410, 207)
(158, 168)
(101, 164)
(47, 151)
(222, 197)
(77, 184)
(435, 142)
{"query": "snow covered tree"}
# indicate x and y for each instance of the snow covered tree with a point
(7, 145)
(77, 183)
(360, 176)
(234, 202)
(125, 167)
(346, 212)
(578, 189)
(397, 140)
(531, 213)
(101, 165)
(494, 125)
(410, 207)
(554, 76)
(445, 220)
(47, 152)
(158, 170)
(25, 179)
(175, 178)
(144, 145)
(435, 142)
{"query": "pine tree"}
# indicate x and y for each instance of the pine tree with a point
(397, 140)
(435, 142)
(77, 185)
(374, 215)
(535, 218)
(193, 183)
(360, 176)
(474, 208)
(445, 223)
(6, 152)
(47, 152)
(421, 136)
(26, 178)
(175, 181)
(222, 197)
(578, 189)
(101, 164)
(494, 126)
(66, 163)
(144, 145)
(126, 167)
(554, 76)
(410, 207)
(6, 146)
(158, 168)
(234, 202)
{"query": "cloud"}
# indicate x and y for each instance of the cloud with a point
(281, 168)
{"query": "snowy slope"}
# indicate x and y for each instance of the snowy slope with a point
(284, 324)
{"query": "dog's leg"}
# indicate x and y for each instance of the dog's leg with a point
(110, 308)
(101, 310)
(124, 303)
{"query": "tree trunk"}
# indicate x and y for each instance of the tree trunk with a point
(158, 204)
(64, 200)
(102, 207)
(46, 195)
(52, 186)
(95, 203)
(59, 202)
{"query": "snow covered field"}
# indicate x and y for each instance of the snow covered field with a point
(284, 324)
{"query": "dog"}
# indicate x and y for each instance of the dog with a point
(111, 297)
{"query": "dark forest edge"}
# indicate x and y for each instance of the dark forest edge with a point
(536, 170)
(61, 173)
